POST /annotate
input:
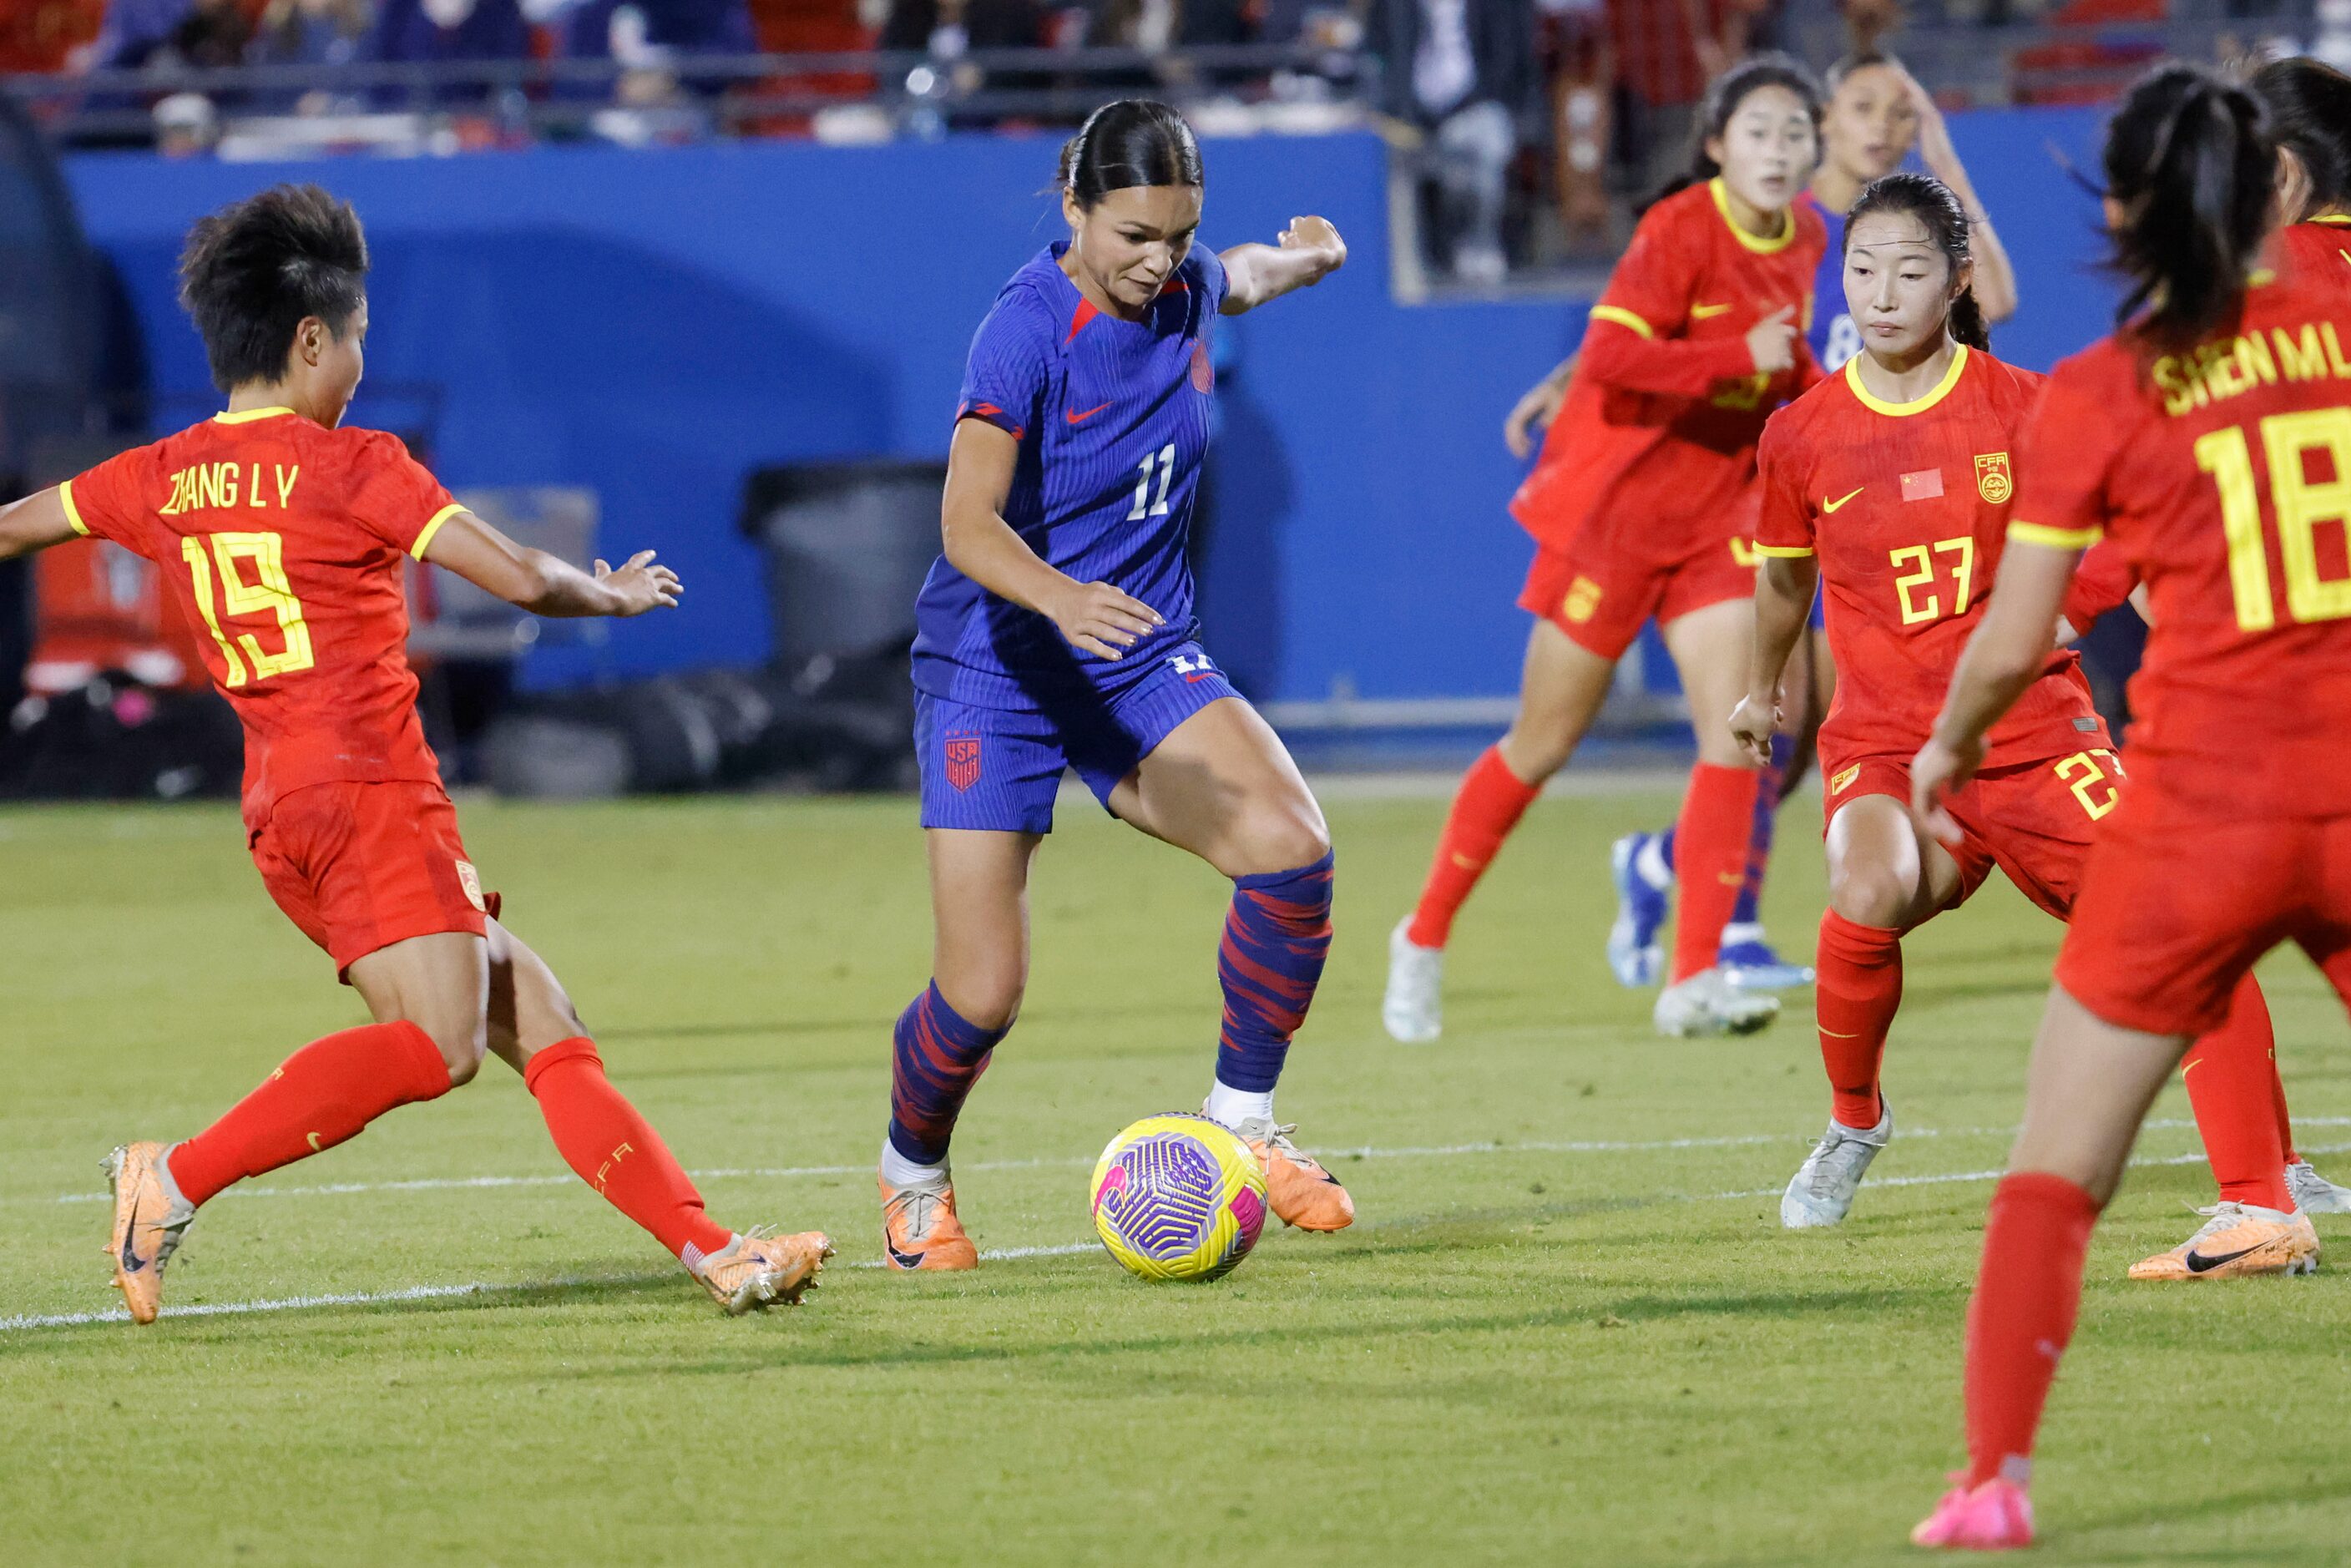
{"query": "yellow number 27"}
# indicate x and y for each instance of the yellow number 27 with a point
(264, 591)
(2287, 440)
(1922, 574)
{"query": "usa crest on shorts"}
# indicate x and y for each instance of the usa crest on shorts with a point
(963, 760)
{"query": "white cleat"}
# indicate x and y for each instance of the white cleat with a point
(1413, 1009)
(1820, 1192)
(2313, 1193)
(1704, 1004)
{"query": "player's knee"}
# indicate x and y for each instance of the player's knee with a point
(1868, 895)
(461, 1048)
(1534, 751)
(986, 995)
(1281, 839)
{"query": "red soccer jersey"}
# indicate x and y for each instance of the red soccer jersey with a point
(1662, 416)
(2225, 474)
(283, 540)
(2322, 246)
(1906, 506)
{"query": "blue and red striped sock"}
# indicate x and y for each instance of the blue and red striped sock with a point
(1276, 939)
(1748, 910)
(935, 1056)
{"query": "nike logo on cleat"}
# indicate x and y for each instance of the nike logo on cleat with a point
(132, 1261)
(2198, 1263)
(904, 1260)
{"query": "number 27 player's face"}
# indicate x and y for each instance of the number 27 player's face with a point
(1132, 241)
(1898, 285)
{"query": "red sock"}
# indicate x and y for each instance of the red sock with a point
(1710, 860)
(322, 1094)
(1860, 987)
(1486, 808)
(2021, 1316)
(2284, 1119)
(616, 1151)
(2233, 1085)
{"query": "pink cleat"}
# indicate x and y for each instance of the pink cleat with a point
(1994, 1517)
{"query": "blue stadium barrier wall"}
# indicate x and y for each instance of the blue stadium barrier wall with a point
(658, 324)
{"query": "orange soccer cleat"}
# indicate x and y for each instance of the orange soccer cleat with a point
(150, 1218)
(919, 1227)
(1994, 1517)
(2238, 1240)
(1302, 1192)
(758, 1271)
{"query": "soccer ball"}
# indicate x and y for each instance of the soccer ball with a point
(1178, 1198)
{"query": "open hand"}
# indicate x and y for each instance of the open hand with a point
(640, 584)
(1533, 413)
(1101, 620)
(1937, 769)
(1753, 723)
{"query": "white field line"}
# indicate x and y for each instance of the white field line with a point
(1365, 1151)
(1000, 1254)
(448, 1292)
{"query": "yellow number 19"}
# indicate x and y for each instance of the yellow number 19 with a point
(268, 592)
(2287, 439)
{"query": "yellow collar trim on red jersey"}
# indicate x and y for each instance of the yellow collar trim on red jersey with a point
(247, 416)
(1905, 410)
(1721, 193)
(2328, 218)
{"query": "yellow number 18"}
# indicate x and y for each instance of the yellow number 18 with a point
(2287, 439)
(266, 592)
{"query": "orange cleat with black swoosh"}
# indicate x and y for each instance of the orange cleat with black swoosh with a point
(919, 1227)
(150, 1219)
(757, 1270)
(1301, 1192)
(2239, 1240)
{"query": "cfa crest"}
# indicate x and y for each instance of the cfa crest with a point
(1993, 481)
(963, 760)
(1583, 598)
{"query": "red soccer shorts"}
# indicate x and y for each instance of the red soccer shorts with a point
(2035, 821)
(1599, 592)
(2174, 912)
(361, 866)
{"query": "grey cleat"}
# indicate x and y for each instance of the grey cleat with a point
(2313, 1193)
(1820, 1192)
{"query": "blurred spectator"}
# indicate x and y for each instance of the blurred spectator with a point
(1866, 22)
(1463, 72)
(1156, 26)
(950, 29)
(186, 125)
(313, 33)
(1666, 51)
(675, 27)
(45, 36)
(429, 32)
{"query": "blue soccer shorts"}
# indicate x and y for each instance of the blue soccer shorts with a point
(999, 769)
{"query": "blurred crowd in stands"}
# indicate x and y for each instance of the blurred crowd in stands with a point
(1527, 127)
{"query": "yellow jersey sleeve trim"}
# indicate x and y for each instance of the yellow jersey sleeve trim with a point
(425, 538)
(1905, 410)
(246, 416)
(1721, 193)
(1782, 552)
(73, 513)
(1623, 317)
(2053, 539)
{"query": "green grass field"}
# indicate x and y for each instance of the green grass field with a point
(1566, 1327)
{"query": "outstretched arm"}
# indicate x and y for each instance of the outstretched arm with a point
(34, 523)
(2009, 650)
(1309, 251)
(547, 585)
(1995, 284)
(979, 543)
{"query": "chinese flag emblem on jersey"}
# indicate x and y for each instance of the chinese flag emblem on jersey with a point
(963, 760)
(1993, 481)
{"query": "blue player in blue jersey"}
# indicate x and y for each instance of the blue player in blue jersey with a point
(1877, 115)
(1057, 632)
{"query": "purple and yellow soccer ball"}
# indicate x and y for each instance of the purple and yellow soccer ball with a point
(1178, 1198)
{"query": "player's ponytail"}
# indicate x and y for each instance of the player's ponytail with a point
(2310, 114)
(1723, 96)
(1134, 142)
(1938, 210)
(2190, 164)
